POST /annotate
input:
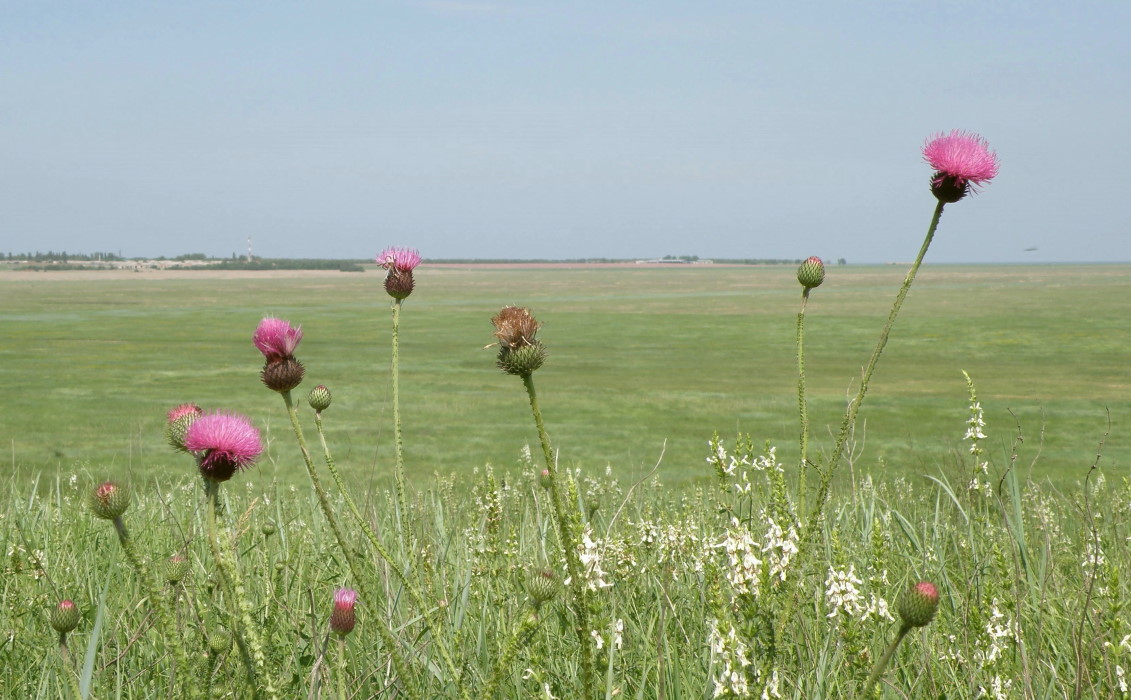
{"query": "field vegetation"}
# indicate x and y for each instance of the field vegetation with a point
(671, 399)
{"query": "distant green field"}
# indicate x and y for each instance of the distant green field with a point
(638, 358)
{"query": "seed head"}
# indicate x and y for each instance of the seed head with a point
(918, 604)
(109, 500)
(520, 353)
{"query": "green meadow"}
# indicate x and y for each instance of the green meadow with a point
(644, 365)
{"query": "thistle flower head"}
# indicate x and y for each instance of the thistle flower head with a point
(276, 338)
(398, 259)
(519, 352)
(179, 419)
(223, 444)
(962, 162)
(65, 617)
(811, 273)
(343, 619)
(918, 604)
(109, 500)
(400, 262)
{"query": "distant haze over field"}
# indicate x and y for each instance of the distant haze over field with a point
(505, 130)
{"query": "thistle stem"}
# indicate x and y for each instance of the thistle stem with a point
(68, 670)
(854, 406)
(882, 664)
(802, 407)
(246, 632)
(569, 539)
(398, 439)
(414, 595)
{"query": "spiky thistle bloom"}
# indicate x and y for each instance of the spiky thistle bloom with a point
(179, 419)
(277, 340)
(520, 353)
(811, 273)
(109, 500)
(223, 444)
(343, 619)
(65, 617)
(918, 604)
(962, 162)
(400, 262)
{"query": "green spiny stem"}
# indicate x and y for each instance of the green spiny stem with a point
(803, 409)
(245, 632)
(882, 664)
(521, 635)
(68, 669)
(414, 595)
(335, 527)
(570, 541)
(398, 440)
(183, 671)
(854, 406)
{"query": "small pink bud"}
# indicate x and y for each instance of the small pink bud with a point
(343, 619)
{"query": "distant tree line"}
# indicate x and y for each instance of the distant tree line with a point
(343, 265)
(63, 257)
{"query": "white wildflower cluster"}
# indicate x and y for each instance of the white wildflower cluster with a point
(1094, 557)
(729, 464)
(998, 689)
(842, 593)
(744, 568)
(768, 462)
(616, 630)
(844, 597)
(733, 661)
(780, 547)
(999, 630)
(590, 555)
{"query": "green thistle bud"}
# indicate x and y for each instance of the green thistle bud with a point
(109, 500)
(282, 374)
(176, 568)
(65, 617)
(319, 398)
(918, 604)
(542, 585)
(179, 420)
(544, 479)
(268, 528)
(811, 273)
(522, 361)
(220, 640)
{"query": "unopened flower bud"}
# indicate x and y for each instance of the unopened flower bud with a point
(109, 500)
(268, 528)
(319, 398)
(179, 420)
(811, 273)
(176, 568)
(220, 640)
(544, 479)
(542, 585)
(918, 604)
(343, 619)
(65, 617)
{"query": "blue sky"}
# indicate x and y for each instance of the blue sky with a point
(561, 130)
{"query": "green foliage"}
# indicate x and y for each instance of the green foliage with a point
(640, 360)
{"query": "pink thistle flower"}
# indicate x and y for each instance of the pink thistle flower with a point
(399, 259)
(276, 338)
(962, 162)
(223, 444)
(342, 620)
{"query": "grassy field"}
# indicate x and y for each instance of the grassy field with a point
(638, 358)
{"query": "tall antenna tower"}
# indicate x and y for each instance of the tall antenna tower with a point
(249, 248)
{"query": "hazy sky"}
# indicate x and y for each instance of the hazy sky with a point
(562, 129)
